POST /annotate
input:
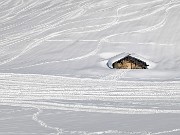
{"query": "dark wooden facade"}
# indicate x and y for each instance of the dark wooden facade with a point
(130, 62)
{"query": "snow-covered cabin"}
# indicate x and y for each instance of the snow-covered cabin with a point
(127, 61)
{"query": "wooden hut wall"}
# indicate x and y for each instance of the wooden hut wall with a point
(135, 63)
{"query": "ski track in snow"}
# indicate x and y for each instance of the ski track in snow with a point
(43, 124)
(39, 91)
(57, 23)
(31, 89)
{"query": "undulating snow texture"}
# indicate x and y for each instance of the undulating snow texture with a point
(54, 74)
(77, 37)
(53, 105)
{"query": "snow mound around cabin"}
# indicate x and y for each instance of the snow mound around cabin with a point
(122, 55)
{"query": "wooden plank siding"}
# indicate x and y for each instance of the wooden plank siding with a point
(130, 63)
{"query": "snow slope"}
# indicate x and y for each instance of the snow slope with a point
(76, 38)
(69, 106)
(54, 78)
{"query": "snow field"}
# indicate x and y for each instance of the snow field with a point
(41, 91)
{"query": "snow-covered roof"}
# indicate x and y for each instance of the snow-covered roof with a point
(116, 58)
(123, 55)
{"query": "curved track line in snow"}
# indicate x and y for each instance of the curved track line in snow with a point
(66, 60)
(161, 24)
(165, 132)
(22, 52)
(10, 12)
(150, 43)
(15, 6)
(35, 44)
(41, 13)
(39, 91)
(91, 53)
(108, 132)
(157, 26)
(43, 124)
(86, 108)
(114, 96)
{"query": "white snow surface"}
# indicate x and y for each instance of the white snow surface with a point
(77, 38)
(44, 104)
(54, 78)
(116, 58)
